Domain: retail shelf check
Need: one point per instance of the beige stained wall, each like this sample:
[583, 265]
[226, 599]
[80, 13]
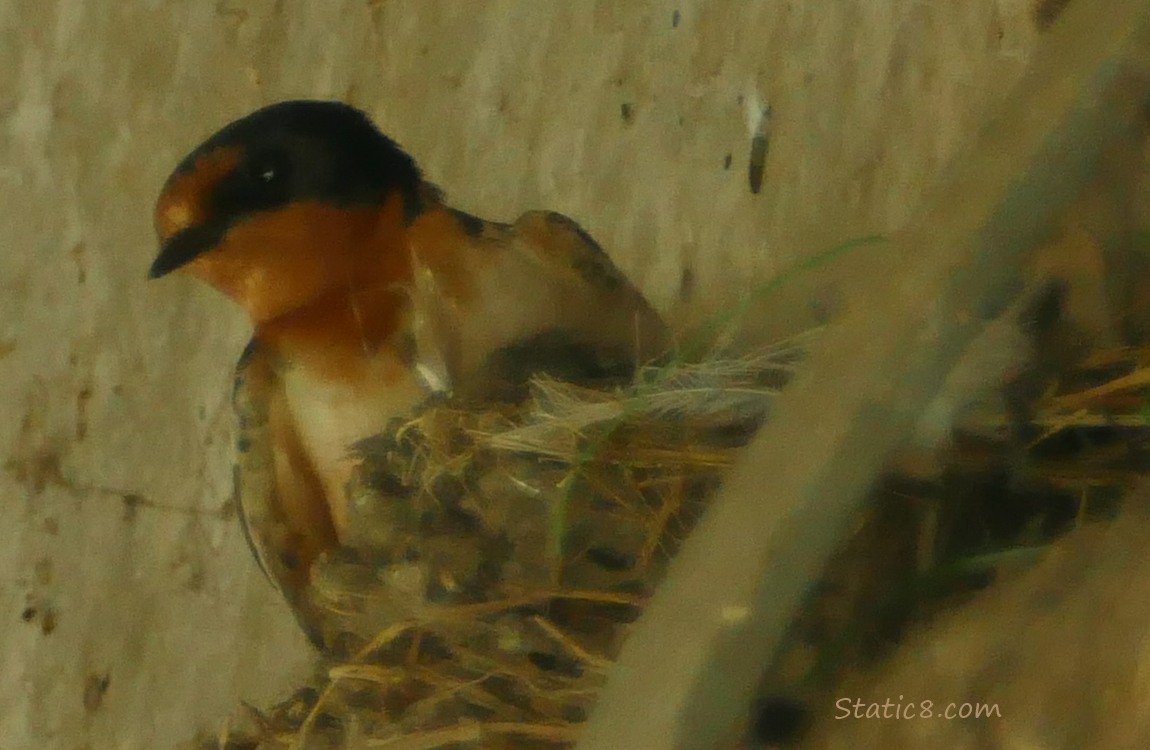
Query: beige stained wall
[120, 552]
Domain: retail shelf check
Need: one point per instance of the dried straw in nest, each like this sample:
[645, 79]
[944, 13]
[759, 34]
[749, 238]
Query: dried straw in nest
[500, 553]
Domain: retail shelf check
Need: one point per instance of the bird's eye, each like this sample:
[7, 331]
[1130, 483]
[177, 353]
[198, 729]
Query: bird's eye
[269, 169]
[263, 180]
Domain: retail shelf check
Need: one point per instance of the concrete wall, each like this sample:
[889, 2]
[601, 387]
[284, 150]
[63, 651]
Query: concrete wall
[121, 554]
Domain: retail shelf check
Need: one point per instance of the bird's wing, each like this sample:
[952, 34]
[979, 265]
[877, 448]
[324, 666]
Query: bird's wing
[499, 301]
[281, 503]
[610, 309]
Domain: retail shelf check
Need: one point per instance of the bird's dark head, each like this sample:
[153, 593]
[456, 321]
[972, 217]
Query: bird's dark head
[269, 208]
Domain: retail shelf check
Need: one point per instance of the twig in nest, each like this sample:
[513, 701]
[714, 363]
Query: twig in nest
[596, 662]
[1140, 378]
[671, 505]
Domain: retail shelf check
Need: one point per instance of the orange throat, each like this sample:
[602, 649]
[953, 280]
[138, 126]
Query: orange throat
[326, 287]
[338, 335]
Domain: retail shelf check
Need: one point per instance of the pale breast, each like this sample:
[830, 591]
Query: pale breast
[332, 416]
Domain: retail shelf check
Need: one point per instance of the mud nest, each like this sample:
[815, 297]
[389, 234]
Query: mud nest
[500, 553]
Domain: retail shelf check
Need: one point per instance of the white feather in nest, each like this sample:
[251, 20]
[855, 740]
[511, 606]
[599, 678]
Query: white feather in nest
[561, 415]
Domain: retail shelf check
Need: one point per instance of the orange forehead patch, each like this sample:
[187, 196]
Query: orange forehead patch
[181, 204]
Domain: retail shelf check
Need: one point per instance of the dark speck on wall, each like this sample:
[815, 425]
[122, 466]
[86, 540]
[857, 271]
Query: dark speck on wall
[727, 161]
[686, 284]
[675, 18]
[43, 616]
[94, 688]
[627, 112]
[48, 622]
[1046, 12]
[760, 145]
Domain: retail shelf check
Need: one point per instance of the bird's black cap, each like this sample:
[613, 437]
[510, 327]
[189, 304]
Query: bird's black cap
[293, 150]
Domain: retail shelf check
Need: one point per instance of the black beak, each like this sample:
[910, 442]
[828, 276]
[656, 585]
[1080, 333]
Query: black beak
[183, 247]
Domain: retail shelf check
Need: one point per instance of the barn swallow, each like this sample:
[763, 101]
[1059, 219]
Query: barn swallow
[367, 293]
